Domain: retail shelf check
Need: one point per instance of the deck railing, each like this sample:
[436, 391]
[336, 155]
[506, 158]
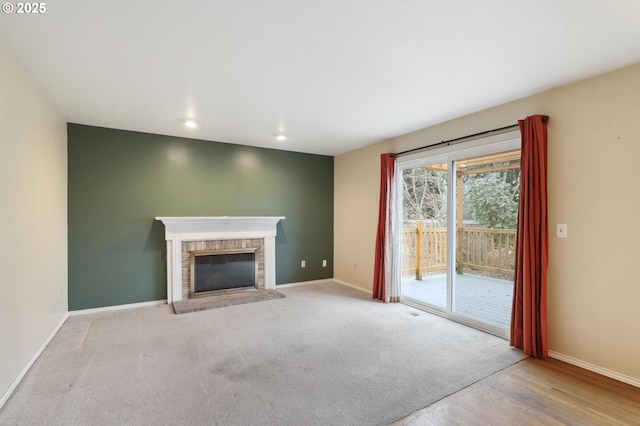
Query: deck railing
[485, 249]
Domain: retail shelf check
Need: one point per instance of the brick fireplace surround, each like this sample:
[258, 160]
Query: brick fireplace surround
[255, 245]
[195, 233]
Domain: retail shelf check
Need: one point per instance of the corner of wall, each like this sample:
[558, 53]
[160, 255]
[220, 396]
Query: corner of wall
[33, 172]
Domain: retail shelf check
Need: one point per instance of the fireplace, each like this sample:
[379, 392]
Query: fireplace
[191, 250]
[220, 270]
[193, 237]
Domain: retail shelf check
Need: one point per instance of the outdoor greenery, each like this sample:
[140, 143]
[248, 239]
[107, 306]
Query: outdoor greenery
[425, 195]
[490, 199]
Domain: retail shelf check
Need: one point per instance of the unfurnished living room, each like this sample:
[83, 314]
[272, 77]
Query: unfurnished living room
[320, 213]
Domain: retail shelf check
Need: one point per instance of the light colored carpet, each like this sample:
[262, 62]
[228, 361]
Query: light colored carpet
[324, 355]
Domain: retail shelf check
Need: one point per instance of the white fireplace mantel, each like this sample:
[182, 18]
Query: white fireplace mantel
[179, 229]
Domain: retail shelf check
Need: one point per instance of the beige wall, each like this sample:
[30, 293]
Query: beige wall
[33, 250]
[594, 158]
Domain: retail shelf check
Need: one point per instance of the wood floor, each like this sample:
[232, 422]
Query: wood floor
[536, 392]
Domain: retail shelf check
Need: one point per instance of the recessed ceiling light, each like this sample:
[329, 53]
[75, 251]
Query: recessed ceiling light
[281, 137]
[190, 123]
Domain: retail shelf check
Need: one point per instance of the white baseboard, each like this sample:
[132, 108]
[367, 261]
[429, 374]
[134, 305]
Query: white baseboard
[33, 359]
[594, 368]
[117, 307]
[352, 286]
[324, 281]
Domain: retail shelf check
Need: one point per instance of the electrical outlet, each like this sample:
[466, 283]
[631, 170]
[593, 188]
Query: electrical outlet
[355, 267]
[303, 264]
[324, 263]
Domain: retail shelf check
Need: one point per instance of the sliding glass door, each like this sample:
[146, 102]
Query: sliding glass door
[459, 213]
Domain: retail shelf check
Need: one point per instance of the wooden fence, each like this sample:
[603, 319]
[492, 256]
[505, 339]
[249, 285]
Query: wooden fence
[485, 249]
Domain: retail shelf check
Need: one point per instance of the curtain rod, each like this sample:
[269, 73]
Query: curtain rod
[545, 118]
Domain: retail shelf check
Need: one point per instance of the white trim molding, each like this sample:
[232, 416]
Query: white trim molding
[117, 307]
[596, 369]
[33, 359]
[179, 229]
[353, 286]
[296, 284]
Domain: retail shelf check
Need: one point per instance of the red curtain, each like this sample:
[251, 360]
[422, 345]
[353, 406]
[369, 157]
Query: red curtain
[382, 272]
[529, 313]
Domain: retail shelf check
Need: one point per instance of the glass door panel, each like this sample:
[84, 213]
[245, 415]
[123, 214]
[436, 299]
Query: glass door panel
[424, 234]
[487, 195]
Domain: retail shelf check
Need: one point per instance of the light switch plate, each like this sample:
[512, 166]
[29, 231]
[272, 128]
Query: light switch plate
[561, 230]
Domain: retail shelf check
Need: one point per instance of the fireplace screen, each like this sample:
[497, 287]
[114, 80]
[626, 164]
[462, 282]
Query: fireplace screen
[222, 270]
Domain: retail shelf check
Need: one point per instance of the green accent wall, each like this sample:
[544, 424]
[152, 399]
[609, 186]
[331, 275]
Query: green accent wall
[120, 180]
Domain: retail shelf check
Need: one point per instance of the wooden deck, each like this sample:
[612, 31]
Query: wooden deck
[480, 298]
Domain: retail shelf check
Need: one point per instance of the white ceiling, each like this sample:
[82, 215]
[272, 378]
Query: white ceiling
[334, 75]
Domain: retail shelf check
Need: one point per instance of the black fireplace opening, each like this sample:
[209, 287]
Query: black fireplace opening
[224, 271]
